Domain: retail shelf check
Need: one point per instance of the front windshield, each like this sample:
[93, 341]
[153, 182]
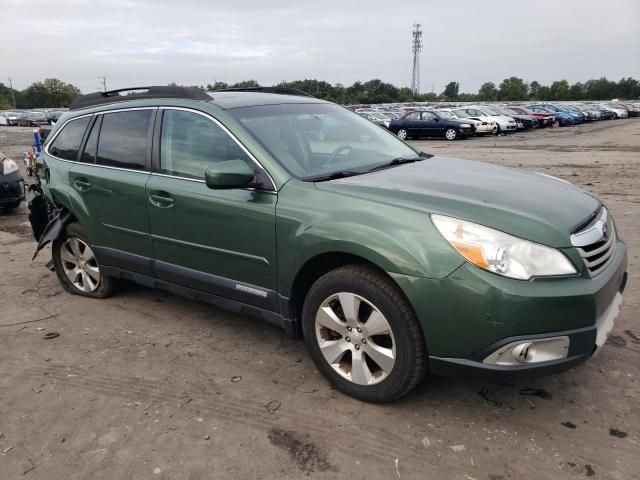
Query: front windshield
[316, 139]
[489, 111]
[462, 114]
[444, 114]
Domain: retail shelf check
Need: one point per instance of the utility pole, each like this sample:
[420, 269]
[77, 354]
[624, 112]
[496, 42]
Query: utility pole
[13, 97]
[104, 83]
[416, 46]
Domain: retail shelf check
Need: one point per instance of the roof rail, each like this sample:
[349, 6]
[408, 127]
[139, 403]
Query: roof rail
[276, 90]
[111, 96]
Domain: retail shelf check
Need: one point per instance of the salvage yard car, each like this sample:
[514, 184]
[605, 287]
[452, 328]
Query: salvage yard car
[479, 127]
[391, 263]
[11, 184]
[487, 114]
[430, 124]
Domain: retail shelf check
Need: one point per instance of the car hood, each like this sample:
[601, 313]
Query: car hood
[525, 204]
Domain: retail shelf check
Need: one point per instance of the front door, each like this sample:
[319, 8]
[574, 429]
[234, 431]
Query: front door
[431, 125]
[218, 241]
[108, 184]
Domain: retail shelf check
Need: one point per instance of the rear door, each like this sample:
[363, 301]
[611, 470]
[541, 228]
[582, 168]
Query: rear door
[218, 241]
[108, 186]
[413, 124]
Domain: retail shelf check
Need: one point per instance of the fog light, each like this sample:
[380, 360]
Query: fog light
[530, 351]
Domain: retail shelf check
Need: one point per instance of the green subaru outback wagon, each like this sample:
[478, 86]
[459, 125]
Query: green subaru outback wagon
[389, 262]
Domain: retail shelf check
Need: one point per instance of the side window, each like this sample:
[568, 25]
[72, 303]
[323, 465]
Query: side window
[428, 116]
[414, 116]
[90, 150]
[190, 142]
[123, 139]
[67, 143]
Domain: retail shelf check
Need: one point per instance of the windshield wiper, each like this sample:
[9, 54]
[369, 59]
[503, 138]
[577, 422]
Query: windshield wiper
[396, 161]
[333, 176]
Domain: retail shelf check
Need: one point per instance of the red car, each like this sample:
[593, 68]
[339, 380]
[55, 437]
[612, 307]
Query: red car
[545, 120]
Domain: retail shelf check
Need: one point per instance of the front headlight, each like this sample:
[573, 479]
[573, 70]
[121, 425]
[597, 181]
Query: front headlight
[500, 252]
[9, 166]
[466, 125]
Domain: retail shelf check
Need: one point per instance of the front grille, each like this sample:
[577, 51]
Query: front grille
[596, 242]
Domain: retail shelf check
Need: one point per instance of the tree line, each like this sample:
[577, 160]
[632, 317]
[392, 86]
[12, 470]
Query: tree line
[54, 93]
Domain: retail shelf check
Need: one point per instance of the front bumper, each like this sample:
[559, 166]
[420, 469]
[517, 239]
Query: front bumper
[472, 313]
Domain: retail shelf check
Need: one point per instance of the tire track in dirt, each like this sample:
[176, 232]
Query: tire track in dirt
[376, 442]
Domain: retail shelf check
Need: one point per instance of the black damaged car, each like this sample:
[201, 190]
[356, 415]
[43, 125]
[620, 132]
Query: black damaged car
[429, 124]
[11, 184]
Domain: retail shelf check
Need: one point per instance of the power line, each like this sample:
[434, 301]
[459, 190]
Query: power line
[416, 46]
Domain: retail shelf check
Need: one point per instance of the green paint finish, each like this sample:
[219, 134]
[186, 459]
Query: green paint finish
[265, 238]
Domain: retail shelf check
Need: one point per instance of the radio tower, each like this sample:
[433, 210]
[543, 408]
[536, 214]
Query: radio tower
[417, 48]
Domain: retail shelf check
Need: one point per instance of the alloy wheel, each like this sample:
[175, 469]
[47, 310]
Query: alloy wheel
[402, 134]
[79, 264]
[355, 338]
[451, 134]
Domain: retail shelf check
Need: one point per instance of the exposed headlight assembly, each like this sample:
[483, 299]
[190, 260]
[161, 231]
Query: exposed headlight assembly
[501, 253]
[9, 166]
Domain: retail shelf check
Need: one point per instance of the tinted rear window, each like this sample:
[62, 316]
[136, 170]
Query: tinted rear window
[123, 139]
[67, 143]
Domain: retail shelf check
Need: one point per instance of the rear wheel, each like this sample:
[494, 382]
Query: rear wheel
[77, 267]
[402, 134]
[362, 334]
[451, 134]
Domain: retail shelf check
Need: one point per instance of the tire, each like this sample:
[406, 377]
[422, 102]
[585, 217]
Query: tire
[391, 362]
[74, 258]
[403, 134]
[451, 134]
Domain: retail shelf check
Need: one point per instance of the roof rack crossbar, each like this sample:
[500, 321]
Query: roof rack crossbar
[276, 90]
[111, 96]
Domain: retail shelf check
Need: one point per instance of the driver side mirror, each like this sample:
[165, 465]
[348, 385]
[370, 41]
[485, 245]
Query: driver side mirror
[229, 174]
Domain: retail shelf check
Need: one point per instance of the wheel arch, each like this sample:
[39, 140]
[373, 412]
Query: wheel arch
[321, 264]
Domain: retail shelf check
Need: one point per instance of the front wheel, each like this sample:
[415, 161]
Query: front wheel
[362, 334]
[77, 267]
[451, 134]
[402, 134]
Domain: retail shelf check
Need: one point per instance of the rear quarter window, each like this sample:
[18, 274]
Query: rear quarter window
[66, 145]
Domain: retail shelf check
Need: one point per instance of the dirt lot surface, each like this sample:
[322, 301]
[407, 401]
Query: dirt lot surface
[148, 385]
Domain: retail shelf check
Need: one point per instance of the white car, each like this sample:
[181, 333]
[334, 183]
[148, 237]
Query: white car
[9, 118]
[620, 112]
[482, 126]
[486, 114]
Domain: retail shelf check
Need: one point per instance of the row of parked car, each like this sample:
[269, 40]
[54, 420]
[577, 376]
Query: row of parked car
[36, 118]
[456, 121]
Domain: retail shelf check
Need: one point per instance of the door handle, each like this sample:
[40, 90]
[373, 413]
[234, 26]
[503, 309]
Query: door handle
[161, 200]
[81, 184]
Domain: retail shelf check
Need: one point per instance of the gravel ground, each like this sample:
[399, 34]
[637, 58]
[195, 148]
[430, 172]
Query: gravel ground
[149, 385]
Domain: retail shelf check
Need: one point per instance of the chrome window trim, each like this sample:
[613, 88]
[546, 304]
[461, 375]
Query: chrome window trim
[147, 172]
[115, 110]
[228, 132]
[197, 180]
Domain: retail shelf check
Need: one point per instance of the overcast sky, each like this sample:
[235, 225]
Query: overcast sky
[193, 42]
